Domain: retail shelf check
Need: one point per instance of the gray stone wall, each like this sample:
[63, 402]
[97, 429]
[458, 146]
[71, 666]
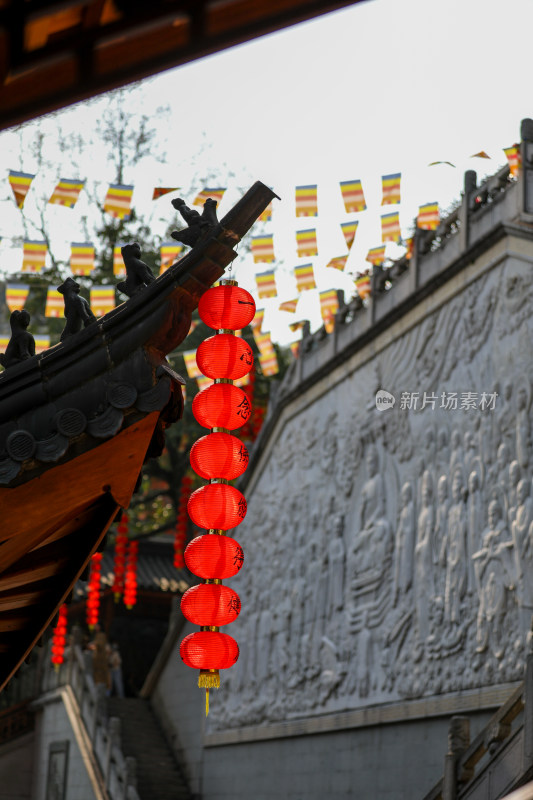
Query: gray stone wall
[16, 768]
[388, 544]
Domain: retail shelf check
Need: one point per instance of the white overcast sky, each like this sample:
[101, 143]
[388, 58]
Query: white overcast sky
[380, 87]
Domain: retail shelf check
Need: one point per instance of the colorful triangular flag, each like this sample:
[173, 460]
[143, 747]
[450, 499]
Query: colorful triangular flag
[390, 227]
[349, 229]
[376, 255]
[263, 249]
[305, 277]
[55, 303]
[67, 192]
[102, 300]
[352, 194]
[214, 194]
[159, 191]
[266, 284]
[428, 217]
[20, 183]
[81, 258]
[306, 201]
[34, 255]
[16, 294]
[117, 201]
[306, 243]
[390, 185]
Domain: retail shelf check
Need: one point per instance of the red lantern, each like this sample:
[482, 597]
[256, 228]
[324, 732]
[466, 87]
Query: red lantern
[130, 582]
[225, 356]
[93, 592]
[207, 650]
[221, 405]
[59, 637]
[217, 505]
[219, 455]
[214, 556]
[229, 307]
[210, 604]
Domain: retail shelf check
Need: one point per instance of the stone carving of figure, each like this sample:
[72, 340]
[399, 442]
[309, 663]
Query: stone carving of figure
[495, 577]
[523, 425]
[440, 535]
[513, 480]
[456, 566]
[502, 466]
[523, 553]
[372, 543]
[297, 585]
[337, 558]
[362, 666]
[474, 524]
[443, 450]
[457, 455]
[424, 557]
[470, 453]
[404, 546]
[505, 419]
[280, 616]
[262, 654]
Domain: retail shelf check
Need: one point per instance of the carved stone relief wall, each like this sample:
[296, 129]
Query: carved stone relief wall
[389, 552]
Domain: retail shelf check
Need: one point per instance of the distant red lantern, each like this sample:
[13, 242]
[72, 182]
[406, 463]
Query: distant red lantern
[209, 650]
[225, 356]
[130, 581]
[227, 307]
[210, 604]
[221, 405]
[219, 455]
[218, 506]
[93, 590]
[59, 637]
[212, 556]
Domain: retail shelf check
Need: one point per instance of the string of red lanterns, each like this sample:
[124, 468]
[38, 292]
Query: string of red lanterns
[218, 506]
[93, 590]
[130, 580]
[59, 638]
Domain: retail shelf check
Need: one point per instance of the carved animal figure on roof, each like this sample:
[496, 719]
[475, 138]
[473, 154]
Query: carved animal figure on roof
[198, 223]
[77, 309]
[22, 344]
[138, 274]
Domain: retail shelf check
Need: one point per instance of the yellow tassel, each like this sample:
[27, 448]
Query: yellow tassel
[206, 702]
[209, 679]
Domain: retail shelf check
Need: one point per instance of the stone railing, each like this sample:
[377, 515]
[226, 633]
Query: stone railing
[499, 759]
[98, 736]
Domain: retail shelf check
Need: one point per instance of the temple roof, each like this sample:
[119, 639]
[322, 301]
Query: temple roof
[54, 54]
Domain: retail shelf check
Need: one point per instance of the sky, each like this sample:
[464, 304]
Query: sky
[380, 87]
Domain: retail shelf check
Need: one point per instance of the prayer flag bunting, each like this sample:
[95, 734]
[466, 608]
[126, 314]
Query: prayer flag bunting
[339, 262]
[214, 194]
[295, 348]
[102, 300]
[297, 326]
[390, 227]
[434, 163]
[514, 158]
[169, 254]
[349, 229]
[16, 294]
[4, 341]
[118, 262]
[42, 343]
[55, 303]
[305, 278]
[159, 191]
[362, 284]
[263, 249]
[306, 201]
[391, 189]
[289, 305]
[257, 321]
[329, 305]
[481, 154]
[67, 192]
[34, 255]
[352, 194]
[266, 215]
[118, 200]
[376, 255]
[20, 183]
[428, 217]
[306, 243]
[267, 355]
[81, 258]
[266, 284]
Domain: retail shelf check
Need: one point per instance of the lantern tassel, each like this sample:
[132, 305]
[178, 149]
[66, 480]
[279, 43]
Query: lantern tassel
[206, 702]
[209, 679]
